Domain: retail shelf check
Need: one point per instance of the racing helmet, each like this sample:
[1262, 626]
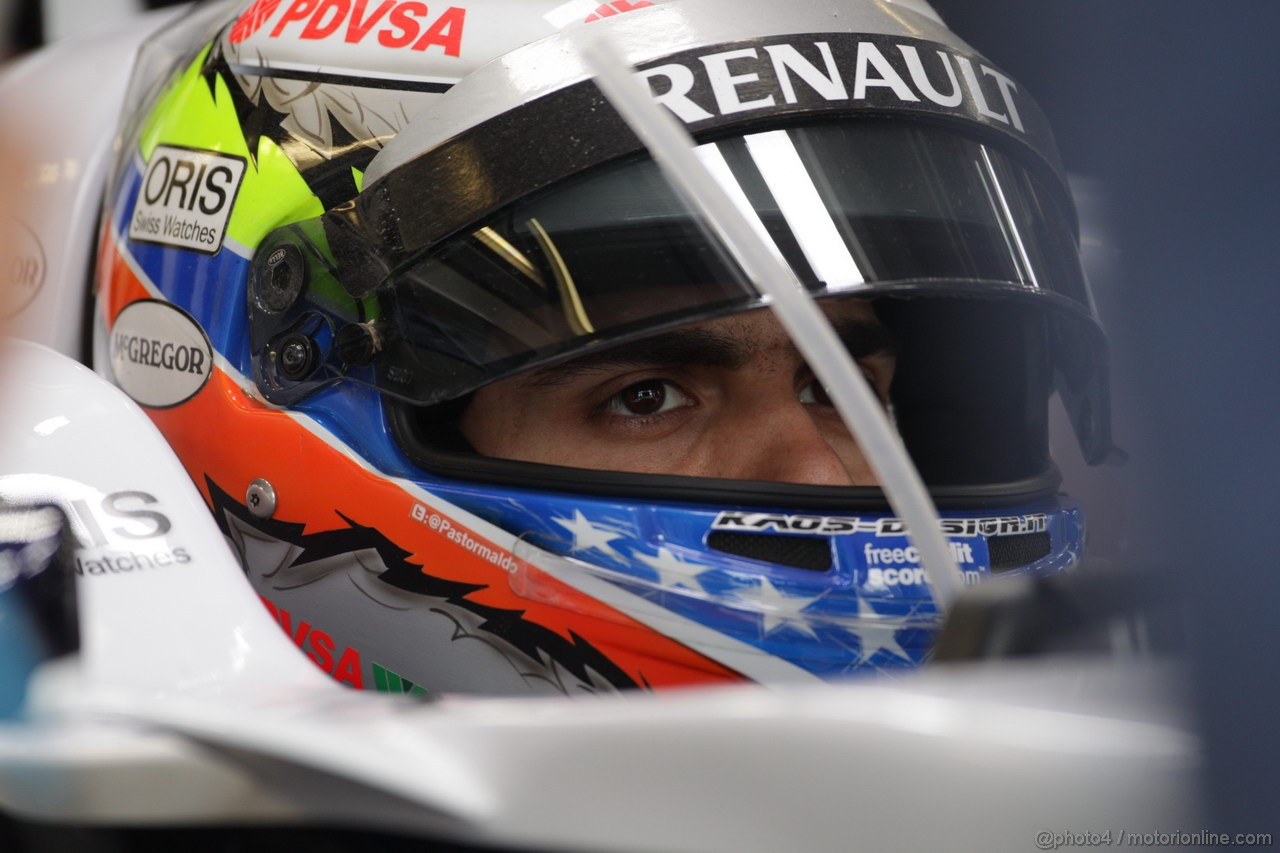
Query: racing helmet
[334, 224]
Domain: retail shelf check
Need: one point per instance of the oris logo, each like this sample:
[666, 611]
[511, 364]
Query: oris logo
[391, 23]
[186, 199]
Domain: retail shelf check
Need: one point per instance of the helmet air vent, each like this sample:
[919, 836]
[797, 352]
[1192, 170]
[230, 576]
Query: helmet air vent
[1018, 550]
[799, 552]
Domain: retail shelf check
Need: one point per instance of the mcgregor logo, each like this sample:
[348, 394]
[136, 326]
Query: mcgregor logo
[252, 19]
[160, 355]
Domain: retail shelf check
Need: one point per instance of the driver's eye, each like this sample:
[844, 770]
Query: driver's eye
[650, 397]
[814, 394]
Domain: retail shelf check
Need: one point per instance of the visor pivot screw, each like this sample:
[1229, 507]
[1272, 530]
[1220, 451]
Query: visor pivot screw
[261, 498]
[278, 278]
[358, 343]
[297, 357]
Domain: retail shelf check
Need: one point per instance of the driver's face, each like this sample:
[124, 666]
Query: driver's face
[729, 398]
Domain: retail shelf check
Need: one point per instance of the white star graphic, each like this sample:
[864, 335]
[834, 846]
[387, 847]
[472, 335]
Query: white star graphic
[877, 633]
[672, 571]
[587, 536]
[780, 608]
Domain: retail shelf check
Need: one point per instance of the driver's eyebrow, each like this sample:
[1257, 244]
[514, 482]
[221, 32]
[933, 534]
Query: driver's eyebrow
[700, 347]
[863, 338]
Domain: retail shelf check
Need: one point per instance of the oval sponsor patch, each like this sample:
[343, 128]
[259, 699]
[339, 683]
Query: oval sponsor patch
[22, 267]
[160, 355]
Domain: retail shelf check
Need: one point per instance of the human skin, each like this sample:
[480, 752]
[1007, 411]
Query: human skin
[729, 398]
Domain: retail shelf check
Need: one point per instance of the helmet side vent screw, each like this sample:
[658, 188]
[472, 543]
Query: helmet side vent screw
[261, 498]
[296, 356]
[279, 277]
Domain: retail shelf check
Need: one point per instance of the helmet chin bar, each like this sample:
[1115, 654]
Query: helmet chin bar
[539, 574]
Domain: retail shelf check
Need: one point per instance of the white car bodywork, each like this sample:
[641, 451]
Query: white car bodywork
[209, 714]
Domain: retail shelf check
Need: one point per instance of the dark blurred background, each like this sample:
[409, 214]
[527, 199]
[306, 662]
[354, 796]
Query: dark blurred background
[1172, 107]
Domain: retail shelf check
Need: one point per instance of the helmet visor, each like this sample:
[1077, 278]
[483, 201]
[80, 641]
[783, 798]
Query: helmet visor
[617, 254]
[864, 208]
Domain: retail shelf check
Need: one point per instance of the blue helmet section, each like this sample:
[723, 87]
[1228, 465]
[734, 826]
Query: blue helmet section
[832, 594]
